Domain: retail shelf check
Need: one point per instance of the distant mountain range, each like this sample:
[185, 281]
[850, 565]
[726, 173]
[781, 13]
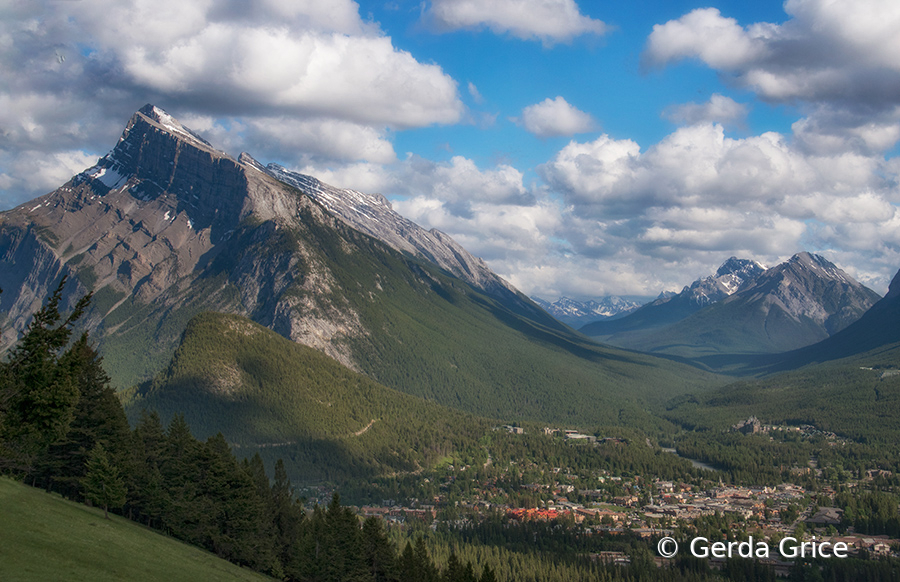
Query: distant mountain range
[166, 227]
[745, 309]
[578, 313]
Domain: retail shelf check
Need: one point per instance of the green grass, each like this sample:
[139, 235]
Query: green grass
[44, 537]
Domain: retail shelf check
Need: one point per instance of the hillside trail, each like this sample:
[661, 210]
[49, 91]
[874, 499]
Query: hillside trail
[364, 429]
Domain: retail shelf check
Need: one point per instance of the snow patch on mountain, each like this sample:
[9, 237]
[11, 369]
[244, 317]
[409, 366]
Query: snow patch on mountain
[574, 312]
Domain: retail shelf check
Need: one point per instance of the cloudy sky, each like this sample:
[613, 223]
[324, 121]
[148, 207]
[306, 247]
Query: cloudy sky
[581, 148]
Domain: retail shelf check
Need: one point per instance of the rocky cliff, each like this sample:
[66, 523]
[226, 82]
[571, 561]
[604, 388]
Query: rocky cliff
[160, 215]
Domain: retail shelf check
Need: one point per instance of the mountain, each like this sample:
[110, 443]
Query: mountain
[734, 275]
[165, 227]
[848, 383]
[835, 385]
[578, 313]
[797, 303]
[373, 215]
[269, 395]
[875, 333]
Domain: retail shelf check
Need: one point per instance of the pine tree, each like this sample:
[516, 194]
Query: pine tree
[288, 517]
[487, 575]
[37, 395]
[149, 495]
[102, 483]
[342, 545]
[379, 553]
[415, 565]
[187, 515]
[98, 417]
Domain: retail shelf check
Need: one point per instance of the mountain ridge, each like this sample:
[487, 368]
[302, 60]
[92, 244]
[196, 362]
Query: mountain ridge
[796, 303]
[878, 329]
[733, 275]
[179, 228]
[374, 215]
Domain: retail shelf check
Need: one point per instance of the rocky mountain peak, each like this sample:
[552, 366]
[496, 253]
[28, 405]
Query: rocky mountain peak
[171, 125]
[734, 274]
[808, 286]
[373, 215]
[734, 266]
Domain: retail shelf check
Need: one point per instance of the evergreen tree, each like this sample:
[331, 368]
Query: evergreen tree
[487, 575]
[456, 572]
[415, 565]
[98, 417]
[102, 483]
[37, 395]
[343, 545]
[187, 516]
[380, 556]
[288, 518]
[149, 495]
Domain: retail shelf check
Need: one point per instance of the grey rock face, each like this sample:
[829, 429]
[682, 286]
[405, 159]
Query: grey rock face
[154, 222]
[373, 215]
[808, 286]
[734, 275]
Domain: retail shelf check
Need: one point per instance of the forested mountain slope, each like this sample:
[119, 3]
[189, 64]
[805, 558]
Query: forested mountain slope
[270, 395]
[165, 227]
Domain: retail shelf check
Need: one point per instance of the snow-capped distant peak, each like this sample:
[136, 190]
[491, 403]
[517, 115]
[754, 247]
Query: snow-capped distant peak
[565, 308]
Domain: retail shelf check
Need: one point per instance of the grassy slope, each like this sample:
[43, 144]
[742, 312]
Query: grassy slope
[266, 393]
[44, 537]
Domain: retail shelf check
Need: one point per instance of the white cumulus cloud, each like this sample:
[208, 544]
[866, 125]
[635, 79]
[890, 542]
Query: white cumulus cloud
[719, 108]
[555, 117]
[74, 72]
[548, 20]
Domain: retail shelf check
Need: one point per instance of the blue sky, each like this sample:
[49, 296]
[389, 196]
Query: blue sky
[581, 148]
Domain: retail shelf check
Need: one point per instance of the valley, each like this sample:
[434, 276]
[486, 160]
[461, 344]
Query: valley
[248, 320]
